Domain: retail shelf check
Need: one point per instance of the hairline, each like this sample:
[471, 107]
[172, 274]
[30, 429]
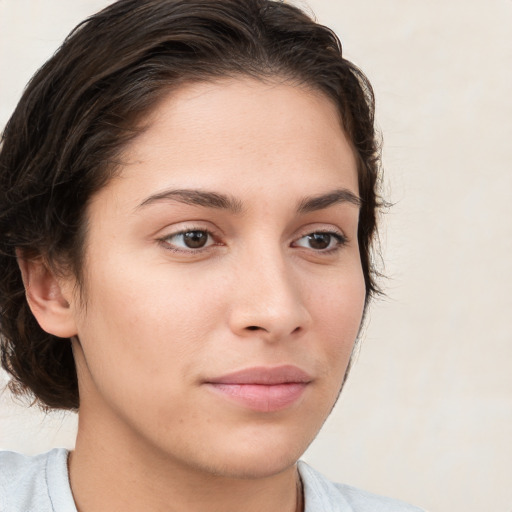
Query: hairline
[113, 170]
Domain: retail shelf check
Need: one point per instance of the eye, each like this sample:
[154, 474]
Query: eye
[189, 239]
[321, 241]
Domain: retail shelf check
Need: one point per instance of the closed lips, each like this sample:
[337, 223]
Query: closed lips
[263, 389]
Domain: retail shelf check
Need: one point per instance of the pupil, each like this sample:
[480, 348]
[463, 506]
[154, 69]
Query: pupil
[319, 240]
[195, 239]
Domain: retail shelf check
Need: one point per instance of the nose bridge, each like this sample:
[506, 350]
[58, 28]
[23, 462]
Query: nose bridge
[269, 299]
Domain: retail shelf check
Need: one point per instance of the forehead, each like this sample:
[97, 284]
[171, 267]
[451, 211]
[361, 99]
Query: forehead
[244, 132]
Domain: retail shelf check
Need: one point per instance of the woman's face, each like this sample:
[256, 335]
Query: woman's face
[223, 281]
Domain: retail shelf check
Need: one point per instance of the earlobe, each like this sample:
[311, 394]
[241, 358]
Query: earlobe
[47, 297]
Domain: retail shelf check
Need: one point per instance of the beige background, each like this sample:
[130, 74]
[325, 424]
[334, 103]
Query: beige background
[427, 413]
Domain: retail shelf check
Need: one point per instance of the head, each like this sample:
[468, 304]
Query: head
[122, 79]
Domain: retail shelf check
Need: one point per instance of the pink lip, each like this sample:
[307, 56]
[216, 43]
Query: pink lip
[264, 389]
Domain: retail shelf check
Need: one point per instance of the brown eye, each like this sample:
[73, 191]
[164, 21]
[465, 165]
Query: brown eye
[319, 240]
[195, 239]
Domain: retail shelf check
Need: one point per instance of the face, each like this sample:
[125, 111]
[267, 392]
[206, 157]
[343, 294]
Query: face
[223, 282]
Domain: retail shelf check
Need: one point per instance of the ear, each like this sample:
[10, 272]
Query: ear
[48, 296]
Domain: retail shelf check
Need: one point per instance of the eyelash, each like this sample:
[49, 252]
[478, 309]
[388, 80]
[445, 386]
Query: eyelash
[341, 240]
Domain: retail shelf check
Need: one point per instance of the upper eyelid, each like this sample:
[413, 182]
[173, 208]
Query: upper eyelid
[216, 233]
[185, 227]
[326, 229]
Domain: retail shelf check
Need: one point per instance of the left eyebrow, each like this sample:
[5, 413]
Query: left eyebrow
[322, 201]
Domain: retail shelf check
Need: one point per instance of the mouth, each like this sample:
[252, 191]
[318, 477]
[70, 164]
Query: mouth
[262, 389]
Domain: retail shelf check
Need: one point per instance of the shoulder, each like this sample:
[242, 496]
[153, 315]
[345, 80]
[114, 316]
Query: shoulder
[35, 483]
[323, 495]
[21, 481]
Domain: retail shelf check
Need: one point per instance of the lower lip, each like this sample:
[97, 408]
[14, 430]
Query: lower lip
[262, 397]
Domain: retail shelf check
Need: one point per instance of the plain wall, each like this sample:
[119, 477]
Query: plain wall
[426, 415]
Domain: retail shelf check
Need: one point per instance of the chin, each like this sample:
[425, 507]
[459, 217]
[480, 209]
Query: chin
[260, 457]
[253, 467]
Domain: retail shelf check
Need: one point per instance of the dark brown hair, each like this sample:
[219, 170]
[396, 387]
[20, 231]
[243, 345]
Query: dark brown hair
[83, 106]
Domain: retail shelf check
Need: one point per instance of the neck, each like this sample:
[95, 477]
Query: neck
[109, 471]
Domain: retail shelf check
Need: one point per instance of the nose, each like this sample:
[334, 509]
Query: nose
[268, 301]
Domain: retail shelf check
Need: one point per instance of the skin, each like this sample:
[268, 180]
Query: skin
[161, 319]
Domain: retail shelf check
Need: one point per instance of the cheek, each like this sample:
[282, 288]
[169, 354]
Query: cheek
[144, 320]
[338, 315]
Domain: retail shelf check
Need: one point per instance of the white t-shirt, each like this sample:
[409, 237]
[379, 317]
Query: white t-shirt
[41, 484]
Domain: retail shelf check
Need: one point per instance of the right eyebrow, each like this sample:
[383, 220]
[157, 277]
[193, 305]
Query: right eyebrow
[196, 198]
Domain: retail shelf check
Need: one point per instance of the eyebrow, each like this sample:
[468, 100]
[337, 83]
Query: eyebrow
[197, 198]
[226, 202]
[322, 201]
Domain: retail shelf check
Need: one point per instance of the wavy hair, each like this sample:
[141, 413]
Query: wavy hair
[83, 106]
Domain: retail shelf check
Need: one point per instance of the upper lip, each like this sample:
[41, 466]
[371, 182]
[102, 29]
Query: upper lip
[264, 375]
